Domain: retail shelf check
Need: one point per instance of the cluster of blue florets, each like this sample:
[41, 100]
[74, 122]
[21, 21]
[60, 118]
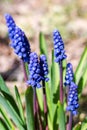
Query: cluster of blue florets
[34, 69]
[19, 41]
[38, 70]
[44, 68]
[21, 45]
[73, 104]
[38, 67]
[69, 74]
[59, 51]
[11, 25]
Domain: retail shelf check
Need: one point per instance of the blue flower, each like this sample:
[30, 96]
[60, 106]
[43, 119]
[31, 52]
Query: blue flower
[44, 68]
[21, 45]
[69, 74]
[11, 25]
[72, 104]
[34, 69]
[59, 51]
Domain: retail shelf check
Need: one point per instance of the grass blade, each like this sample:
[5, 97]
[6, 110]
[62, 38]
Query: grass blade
[14, 116]
[42, 44]
[6, 119]
[29, 109]
[61, 116]
[81, 66]
[19, 102]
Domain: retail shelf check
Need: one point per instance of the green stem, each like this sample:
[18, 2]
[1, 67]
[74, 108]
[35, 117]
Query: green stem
[24, 71]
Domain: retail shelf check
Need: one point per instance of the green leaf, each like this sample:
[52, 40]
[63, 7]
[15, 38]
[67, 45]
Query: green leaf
[40, 98]
[14, 116]
[19, 102]
[29, 108]
[54, 80]
[81, 66]
[3, 86]
[6, 119]
[43, 44]
[27, 70]
[61, 116]
[82, 83]
[3, 125]
[85, 78]
[77, 126]
[7, 94]
[84, 126]
[50, 105]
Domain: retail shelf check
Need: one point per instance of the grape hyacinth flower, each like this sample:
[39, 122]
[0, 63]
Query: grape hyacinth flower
[34, 68]
[60, 55]
[72, 104]
[21, 45]
[59, 51]
[11, 25]
[69, 74]
[44, 68]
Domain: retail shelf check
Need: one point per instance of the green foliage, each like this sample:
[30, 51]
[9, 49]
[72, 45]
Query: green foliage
[19, 102]
[13, 113]
[81, 72]
[43, 44]
[61, 115]
[77, 127]
[29, 109]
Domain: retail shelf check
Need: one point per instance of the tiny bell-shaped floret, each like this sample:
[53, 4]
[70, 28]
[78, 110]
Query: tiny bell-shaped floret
[11, 25]
[59, 51]
[73, 104]
[34, 69]
[21, 45]
[44, 68]
[69, 74]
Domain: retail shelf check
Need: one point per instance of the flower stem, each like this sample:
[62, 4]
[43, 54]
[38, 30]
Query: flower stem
[61, 81]
[35, 107]
[24, 71]
[69, 126]
[45, 104]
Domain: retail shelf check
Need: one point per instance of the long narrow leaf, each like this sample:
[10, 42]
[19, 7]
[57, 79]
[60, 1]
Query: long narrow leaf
[3, 125]
[13, 115]
[3, 86]
[29, 109]
[81, 66]
[61, 116]
[50, 105]
[7, 94]
[19, 102]
[42, 44]
[54, 79]
[6, 119]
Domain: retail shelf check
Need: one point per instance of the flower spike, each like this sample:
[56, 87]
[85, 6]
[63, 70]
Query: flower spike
[73, 99]
[11, 25]
[69, 74]
[59, 51]
[21, 45]
[34, 68]
[44, 68]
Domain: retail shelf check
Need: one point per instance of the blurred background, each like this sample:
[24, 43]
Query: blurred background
[33, 16]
